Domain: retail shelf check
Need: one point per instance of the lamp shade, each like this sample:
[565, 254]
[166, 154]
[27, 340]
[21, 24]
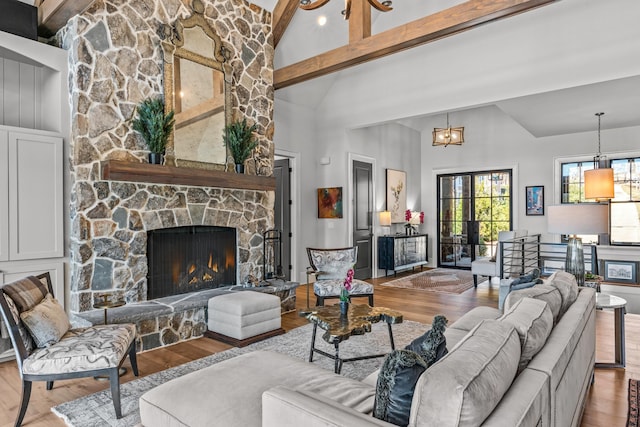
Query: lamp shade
[598, 184]
[385, 218]
[579, 218]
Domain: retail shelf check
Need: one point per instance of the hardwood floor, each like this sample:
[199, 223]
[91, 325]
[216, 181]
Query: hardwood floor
[607, 399]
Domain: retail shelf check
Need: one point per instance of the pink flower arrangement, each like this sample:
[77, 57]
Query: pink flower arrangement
[346, 286]
[407, 215]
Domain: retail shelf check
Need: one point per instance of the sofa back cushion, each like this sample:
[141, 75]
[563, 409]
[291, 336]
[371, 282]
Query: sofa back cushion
[464, 387]
[533, 321]
[547, 293]
[567, 286]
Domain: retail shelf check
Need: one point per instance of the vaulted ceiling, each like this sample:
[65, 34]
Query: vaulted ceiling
[306, 51]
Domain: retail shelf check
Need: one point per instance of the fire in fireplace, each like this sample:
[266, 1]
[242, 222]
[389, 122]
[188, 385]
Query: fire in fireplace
[187, 259]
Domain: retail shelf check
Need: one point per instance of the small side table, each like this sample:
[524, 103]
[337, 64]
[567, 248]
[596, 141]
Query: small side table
[605, 301]
[106, 305]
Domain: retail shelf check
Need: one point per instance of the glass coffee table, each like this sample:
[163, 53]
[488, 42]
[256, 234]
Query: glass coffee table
[339, 328]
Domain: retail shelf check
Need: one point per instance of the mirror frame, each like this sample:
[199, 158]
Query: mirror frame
[172, 47]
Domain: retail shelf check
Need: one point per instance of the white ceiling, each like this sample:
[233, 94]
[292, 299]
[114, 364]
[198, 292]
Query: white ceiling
[545, 114]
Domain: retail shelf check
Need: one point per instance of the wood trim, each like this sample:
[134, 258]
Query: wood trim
[450, 21]
[119, 170]
[359, 21]
[245, 342]
[54, 14]
[281, 17]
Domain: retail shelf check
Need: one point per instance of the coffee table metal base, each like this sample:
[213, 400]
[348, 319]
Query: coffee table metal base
[336, 357]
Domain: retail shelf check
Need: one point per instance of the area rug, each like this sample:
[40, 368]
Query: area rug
[96, 410]
[437, 280]
[632, 416]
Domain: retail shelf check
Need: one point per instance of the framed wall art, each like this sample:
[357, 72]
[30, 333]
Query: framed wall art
[620, 271]
[330, 202]
[396, 195]
[535, 200]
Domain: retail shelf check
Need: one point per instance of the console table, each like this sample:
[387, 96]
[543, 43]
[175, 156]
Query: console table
[401, 252]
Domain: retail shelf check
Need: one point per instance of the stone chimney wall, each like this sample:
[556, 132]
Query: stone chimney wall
[115, 58]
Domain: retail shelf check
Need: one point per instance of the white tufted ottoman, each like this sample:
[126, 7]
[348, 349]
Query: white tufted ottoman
[241, 318]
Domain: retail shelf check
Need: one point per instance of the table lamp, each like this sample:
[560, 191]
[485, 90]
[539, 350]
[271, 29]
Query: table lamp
[385, 220]
[573, 219]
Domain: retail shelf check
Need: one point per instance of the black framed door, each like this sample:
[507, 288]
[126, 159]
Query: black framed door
[282, 211]
[472, 208]
[362, 218]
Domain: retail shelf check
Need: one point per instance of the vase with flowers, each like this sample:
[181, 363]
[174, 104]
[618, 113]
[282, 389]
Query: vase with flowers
[414, 219]
[344, 293]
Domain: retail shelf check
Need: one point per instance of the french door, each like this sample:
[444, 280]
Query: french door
[472, 208]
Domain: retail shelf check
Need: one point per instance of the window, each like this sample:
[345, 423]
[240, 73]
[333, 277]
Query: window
[624, 207]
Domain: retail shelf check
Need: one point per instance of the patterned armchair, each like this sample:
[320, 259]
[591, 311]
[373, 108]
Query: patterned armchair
[330, 267]
[48, 350]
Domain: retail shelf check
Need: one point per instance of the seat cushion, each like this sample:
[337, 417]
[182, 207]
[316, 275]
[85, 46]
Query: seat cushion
[327, 288]
[97, 347]
[464, 387]
[533, 320]
[243, 303]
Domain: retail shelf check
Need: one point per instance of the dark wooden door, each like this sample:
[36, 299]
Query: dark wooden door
[282, 211]
[362, 218]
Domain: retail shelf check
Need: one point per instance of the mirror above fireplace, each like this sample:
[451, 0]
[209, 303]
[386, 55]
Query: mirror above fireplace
[197, 87]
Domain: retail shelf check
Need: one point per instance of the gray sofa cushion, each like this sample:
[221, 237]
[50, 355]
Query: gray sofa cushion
[549, 294]
[471, 318]
[466, 385]
[567, 285]
[533, 320]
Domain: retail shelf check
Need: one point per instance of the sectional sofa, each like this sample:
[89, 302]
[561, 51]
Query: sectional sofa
[531, 366]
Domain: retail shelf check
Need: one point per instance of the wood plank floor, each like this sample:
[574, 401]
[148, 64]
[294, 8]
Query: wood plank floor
[606, 405]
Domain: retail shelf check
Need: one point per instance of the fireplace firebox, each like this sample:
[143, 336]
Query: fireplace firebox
[188, 259]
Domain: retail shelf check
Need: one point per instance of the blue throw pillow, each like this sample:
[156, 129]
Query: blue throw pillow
[401, 370]
[533, 277]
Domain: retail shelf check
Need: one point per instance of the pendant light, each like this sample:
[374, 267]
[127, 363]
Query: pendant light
[448, 136]
[598, 182]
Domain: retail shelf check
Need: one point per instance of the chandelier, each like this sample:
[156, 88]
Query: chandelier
[448, 136]
[598, 182]
[385, 6]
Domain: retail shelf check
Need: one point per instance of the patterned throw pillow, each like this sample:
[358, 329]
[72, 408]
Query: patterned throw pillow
[402, 369]
[26, 293]
[47, 322]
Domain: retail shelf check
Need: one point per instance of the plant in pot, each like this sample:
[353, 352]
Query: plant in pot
[155, 126]
[238, 136]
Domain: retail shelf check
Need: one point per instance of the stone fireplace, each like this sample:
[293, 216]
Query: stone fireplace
[189, 259]
[115, 63]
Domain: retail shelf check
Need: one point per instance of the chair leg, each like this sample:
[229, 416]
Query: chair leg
[49, 385]
[475, 280]
[133, 359]
[114, 379]
[26, 394]
[371, 300]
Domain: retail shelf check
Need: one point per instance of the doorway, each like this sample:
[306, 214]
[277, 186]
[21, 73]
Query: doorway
[282, 212]
[472, 208]
[362, 218]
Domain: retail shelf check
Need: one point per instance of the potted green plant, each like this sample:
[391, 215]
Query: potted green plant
[155, 126]
[238, 136]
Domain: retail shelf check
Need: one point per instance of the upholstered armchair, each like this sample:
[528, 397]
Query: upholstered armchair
[330, 267]
[491, 266]
[46, 347]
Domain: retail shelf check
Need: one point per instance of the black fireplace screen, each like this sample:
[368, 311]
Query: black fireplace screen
[187, 259]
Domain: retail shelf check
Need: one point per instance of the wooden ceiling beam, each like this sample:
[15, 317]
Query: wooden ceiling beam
[281, 17]
[54, 14]
[450, 21]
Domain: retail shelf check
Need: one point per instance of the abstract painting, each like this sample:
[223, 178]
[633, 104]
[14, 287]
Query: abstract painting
[330, 202]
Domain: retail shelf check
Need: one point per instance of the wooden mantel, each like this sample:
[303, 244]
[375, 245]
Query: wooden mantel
[119, 170]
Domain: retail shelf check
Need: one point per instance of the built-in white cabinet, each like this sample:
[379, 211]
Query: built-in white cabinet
[31, 196]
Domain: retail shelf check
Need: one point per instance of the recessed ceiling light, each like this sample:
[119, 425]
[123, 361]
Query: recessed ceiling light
[322, 20]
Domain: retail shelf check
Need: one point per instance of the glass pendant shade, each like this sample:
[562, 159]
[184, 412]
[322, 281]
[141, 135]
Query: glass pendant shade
[598, 184]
